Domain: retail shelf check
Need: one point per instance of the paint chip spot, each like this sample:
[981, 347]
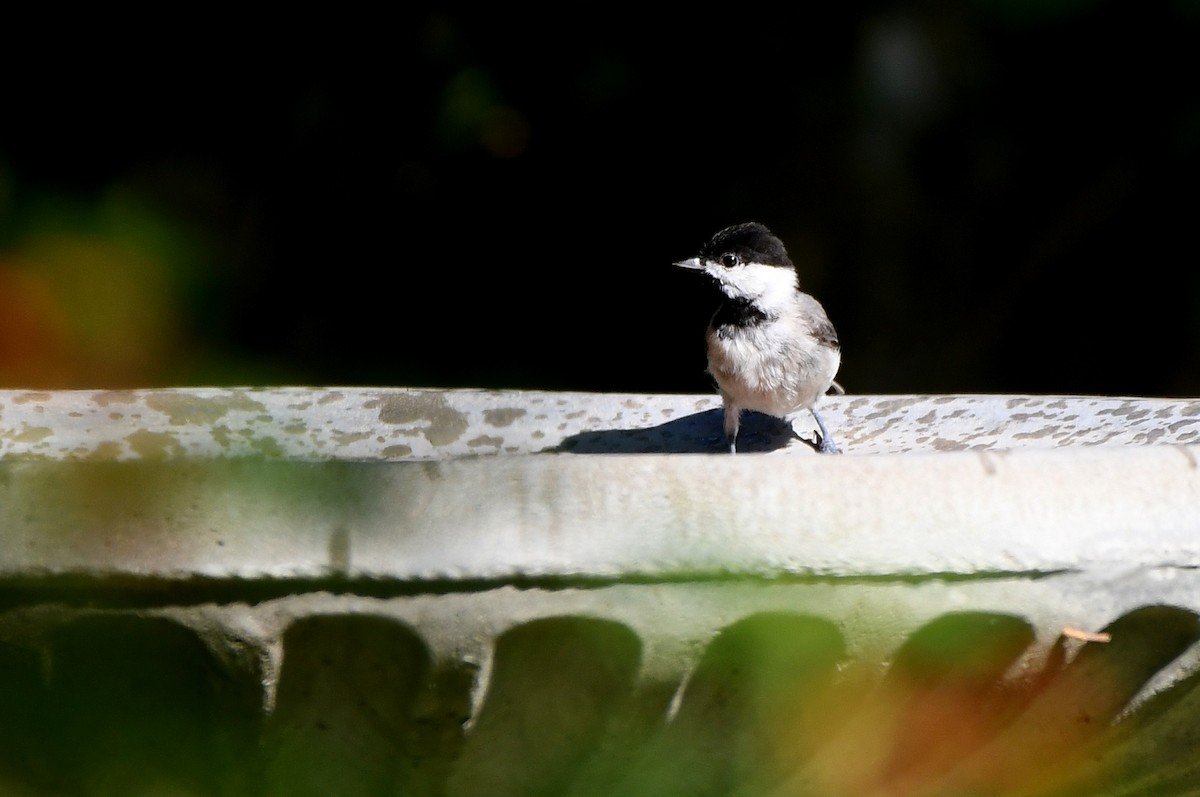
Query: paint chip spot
[185, 409]
[30, 434]
[154, 445]
[108, 451]
[502, 417]
[220, 435]
[445, 424]
[397, 452]
[107, 397]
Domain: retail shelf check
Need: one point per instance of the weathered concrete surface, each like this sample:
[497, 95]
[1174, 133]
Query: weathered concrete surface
[295, 591]
[229, 484]
[416, 424]
[564, 517]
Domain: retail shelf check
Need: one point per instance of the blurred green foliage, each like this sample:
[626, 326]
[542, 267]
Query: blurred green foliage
[120, 703]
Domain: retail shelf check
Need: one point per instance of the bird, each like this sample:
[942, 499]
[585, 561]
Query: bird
[771, 347]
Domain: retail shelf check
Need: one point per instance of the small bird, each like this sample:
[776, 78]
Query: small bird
[771, 347]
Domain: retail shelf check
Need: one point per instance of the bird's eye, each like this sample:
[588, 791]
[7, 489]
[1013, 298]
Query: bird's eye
[729, 261]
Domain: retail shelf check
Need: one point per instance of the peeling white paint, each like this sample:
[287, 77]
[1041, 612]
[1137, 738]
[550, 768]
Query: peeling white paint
[402, 424]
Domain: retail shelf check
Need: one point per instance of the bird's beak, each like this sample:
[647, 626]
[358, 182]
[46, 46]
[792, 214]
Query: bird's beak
[692, 263]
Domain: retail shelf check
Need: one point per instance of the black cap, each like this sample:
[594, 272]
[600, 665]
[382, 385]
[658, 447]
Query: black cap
[751, 242]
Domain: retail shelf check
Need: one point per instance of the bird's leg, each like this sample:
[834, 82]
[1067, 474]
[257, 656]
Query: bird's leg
[731, 424]
[827, 446]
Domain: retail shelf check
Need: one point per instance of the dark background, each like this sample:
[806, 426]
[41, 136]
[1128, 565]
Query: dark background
[987, 196]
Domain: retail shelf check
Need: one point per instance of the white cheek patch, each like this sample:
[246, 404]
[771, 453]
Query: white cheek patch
[771, 288]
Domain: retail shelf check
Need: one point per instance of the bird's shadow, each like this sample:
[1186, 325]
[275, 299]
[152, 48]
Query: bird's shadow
[698, 433]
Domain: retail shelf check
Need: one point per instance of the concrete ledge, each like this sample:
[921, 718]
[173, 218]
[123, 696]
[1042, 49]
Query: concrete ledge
[420, 424]
[559, 517]
[452, 592]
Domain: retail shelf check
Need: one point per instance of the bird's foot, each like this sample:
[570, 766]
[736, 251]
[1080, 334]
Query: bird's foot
[827, 446]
